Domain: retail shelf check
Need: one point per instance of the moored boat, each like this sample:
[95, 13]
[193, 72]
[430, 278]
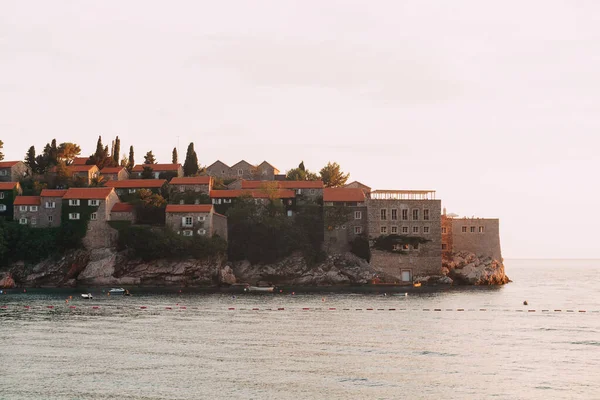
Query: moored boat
[117, 291]
[267, 289]
[87, 295]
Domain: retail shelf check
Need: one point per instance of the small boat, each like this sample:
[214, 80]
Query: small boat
[267, 289]
[87, 295]
[417, 284]
[117, 291]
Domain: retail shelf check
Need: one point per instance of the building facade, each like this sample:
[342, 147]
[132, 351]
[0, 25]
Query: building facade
[114, 173]
[196, 220]
[242, 170]
[13, 171]
[128, 188]
[27, 211]
[477, 235]
[159, 171]
[51, 206]
[345, 218]
[8, 192]
[190, 190]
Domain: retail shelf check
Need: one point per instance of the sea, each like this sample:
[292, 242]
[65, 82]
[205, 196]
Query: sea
[324, 343]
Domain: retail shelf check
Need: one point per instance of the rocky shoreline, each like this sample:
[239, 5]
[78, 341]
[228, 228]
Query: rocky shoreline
[106, 267]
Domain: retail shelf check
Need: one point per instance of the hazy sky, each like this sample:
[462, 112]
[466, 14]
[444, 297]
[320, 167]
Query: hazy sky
[493, 104]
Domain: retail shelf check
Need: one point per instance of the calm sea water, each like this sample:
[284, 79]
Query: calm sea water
[207, 351]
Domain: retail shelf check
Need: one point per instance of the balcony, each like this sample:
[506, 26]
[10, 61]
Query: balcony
[403, 195]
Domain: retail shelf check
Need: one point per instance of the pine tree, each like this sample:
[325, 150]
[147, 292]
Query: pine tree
[30, 160]
[332, 175]
[190, 166]
[174, 159]
[149, 158]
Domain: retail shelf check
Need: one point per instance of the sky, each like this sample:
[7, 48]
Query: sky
[495, 105]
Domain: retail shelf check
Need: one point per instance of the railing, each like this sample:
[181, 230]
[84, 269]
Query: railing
[403, 195]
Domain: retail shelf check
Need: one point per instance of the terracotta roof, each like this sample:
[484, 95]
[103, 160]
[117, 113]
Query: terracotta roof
[80, 160]
[76, 168]
[189, 208]
[157, 167]
[111, 170]
[283, 184]
[136, 183]
[343, 194]
[53, 192]
[257, 194]
[88, 193]
[27, 201]
[191, 180]
[8, 185]
[8, 164]
[122, 207]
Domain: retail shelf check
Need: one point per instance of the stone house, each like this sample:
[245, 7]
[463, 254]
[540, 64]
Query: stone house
[8, 192]
[84, 172]
[13, 171]
[114, 173]
[414, 218]
[358, 185]
[93, 204]
[306, 191]
[345, 217]
[128, 188]
[51, 207]
[27, 210]
[476, 235]
[266, 172]
[159, 171]
[219, 169]
[122, 212]
[190, 190]
[223, 199]
[242, 170]
[195, 219]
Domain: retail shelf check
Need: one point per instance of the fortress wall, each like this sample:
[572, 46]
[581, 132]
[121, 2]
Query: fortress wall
[482, 236]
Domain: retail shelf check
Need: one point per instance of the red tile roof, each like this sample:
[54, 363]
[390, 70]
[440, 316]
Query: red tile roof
[343, 195]
[191, 180]
[27, 201]
[189, 208]
[88, 193]
[80, 168]
[8, 185]
[283, 184]
[53, 192]
[257, 194]
[122, 207]
[111, 170]
[80, 160]
[136, 183]
[8, 164]
[157, 167]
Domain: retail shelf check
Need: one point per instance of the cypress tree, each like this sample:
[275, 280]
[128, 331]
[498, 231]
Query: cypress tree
[174, 159]
[30, 160]
[117, 150]
[131, 161]
[190, 167]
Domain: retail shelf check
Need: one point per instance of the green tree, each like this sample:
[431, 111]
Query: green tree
[149, 158]
[301, 174]
[190, 166]
[67, 152]
[174, 157]
[30, 160]
[101, 158]
[131, 160]
[332, 175]
[116, 150]
[1, 153]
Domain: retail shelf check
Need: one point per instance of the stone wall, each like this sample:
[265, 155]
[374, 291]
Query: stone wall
[447, 242]
[420, 262]
[337, 238]
[55, 212]
[480, 236]
[100, 234]
[219, 225]
[33, 217]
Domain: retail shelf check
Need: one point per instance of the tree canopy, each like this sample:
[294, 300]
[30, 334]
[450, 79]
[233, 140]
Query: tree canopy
[174, 156]
[190, 166]
[149, 158]
[1, 153]
[301, 174]
[332, 175]
[67, 152]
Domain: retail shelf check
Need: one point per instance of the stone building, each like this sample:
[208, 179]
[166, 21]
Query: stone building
[97, 204]
[159, 171]
[190, 190]
[27, 210]
[358, 185]
[223, 199]
[128, 187]
[122, 212]
[13, 171]
[8, 192]
[447, 242]
[345, 217]
[85, 173]
[51, 206]
[195, 219]
[306, 191]
[476, 235]
[114, 173]
[414, 217]
[243, 170]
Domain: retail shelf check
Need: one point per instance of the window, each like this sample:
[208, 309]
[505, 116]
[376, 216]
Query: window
[394, 214]
[74, 202]
[416, 246]
[201, 231]
[415, 229]
[181, 201]
[298, 191]
[394, 229]
[1, 195]
[74, 216]
[201, 218]
[444, 230]
[23, 208]
[93, 216]
[415, 214]
[225, 201]
[404, 247]
[383, 214]
[312, 191]
[481, 229]
[289, 213]
[404, 215]
[2, 207]
[188, 233]
[50, 204]
[444, 246]
[384, 229]
[425, 229]
[240, 172]
[188, 221]
[33, 221]
[131, 190]
[182, 188]
[472, 229]
[33, 208]
[426, 214]
[357, 214]
[358, 230]
[405, 229]
[196, 188]
[464, 229]
[50, 218]
[196, 201]
[23, 221]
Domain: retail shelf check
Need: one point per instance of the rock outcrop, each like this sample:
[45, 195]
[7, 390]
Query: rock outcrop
[468, 269]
